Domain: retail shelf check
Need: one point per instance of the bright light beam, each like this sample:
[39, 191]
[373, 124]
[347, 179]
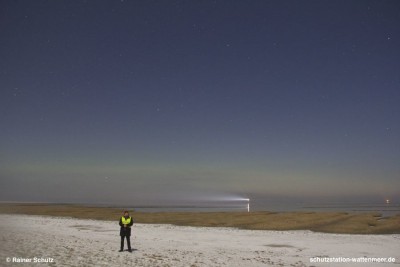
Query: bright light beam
[233, 199]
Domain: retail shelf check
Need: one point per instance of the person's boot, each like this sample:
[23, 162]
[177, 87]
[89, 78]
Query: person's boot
[122, 249]
[130, 250]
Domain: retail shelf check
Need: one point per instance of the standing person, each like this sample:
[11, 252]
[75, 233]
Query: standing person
[125, 222]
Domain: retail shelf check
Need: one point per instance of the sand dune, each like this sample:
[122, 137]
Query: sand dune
[82, 242]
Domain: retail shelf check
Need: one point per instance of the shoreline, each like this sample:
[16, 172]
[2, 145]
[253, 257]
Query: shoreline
[326, 222]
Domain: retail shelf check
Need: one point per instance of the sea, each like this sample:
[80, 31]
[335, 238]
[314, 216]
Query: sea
[384, 209]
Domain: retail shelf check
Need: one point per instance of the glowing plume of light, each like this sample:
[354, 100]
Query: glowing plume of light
[234, 199]
[221, 198]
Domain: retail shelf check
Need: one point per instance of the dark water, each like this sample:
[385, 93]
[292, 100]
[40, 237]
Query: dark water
[383, 209]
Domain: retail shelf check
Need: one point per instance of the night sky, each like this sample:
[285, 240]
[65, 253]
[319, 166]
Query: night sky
[142, 101]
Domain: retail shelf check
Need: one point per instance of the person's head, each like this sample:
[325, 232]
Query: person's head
[126, 213]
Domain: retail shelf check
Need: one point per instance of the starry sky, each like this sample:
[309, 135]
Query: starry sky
[144, 101]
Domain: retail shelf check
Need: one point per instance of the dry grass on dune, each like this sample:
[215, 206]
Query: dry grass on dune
[330, 222]
[65, 210]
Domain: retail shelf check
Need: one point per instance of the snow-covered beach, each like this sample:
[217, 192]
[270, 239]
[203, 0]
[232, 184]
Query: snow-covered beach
[81, 242]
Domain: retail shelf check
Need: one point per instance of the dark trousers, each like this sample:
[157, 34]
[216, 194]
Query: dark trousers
[128, 241]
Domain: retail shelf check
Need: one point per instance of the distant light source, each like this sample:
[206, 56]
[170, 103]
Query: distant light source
[248, 203]
[387, 201]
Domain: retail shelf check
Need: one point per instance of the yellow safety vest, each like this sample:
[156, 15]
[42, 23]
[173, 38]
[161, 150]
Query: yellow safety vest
[126, 221]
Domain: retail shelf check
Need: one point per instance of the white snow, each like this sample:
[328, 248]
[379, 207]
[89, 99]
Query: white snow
[78, 242]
